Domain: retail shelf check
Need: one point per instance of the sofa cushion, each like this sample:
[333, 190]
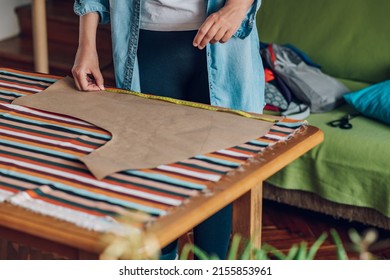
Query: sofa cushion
[348, 38]
[373, 101]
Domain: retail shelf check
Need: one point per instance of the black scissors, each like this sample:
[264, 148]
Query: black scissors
[344, 121]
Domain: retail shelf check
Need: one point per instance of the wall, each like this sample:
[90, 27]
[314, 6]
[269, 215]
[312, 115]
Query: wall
[8, 21]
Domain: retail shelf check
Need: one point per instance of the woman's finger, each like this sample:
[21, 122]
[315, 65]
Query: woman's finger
[202, 31]
[218, 37]
[210, 35]
[227, 36]
[98, 79]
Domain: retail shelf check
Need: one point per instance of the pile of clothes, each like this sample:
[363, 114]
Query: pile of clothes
[295, 85]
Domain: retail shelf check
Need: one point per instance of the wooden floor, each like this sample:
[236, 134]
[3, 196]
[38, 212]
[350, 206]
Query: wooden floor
[285, 225]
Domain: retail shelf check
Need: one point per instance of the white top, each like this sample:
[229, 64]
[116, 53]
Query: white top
[172, 15]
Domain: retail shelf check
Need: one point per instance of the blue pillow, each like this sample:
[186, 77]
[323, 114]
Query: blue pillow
[372, 101]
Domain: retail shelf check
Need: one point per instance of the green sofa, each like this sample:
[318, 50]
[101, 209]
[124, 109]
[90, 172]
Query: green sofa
[348, 175]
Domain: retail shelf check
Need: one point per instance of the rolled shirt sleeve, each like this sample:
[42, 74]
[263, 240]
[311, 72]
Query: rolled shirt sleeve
[248, 22]
[102, 7]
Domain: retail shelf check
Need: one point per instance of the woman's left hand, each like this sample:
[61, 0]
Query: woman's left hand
[222, 25]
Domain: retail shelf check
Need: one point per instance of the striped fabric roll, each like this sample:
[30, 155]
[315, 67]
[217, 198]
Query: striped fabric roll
[39, 169]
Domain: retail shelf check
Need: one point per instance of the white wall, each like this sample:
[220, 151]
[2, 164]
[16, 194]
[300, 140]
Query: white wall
[8, 21]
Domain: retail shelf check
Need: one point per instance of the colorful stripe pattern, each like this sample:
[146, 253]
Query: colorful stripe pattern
[39, 169]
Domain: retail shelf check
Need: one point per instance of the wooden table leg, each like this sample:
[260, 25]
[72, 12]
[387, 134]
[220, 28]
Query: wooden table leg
[247, 215]
[41, 57]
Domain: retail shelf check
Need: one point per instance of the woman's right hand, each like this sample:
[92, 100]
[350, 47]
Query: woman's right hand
[86, 71]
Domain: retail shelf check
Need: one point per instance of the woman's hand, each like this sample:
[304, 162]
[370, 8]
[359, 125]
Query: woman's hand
[86, 71]
[223, 24]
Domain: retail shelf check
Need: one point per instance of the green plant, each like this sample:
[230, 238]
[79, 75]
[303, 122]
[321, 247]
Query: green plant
[299, 251]
[366, 243]
[136, 245]
[360, 244]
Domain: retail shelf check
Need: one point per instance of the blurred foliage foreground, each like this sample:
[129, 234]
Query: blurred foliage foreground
[137, 246]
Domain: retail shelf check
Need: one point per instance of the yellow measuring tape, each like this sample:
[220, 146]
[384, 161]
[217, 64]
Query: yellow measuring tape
[192, 104]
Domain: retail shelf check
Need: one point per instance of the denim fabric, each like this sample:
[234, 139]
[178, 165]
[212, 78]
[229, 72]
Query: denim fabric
[235, 70]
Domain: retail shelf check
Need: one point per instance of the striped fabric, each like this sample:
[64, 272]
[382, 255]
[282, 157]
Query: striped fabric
[39, 169]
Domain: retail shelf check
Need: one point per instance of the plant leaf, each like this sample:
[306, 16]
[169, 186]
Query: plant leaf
[341, 253]
[354, 236]
[185, 252]
[275, 252]
[292, 252]
[201, 254]
[246, 253]
[233, 252]
[260, 254]
[302, 252]
[316, 245]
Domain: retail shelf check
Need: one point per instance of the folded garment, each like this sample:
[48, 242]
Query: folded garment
[297, 111]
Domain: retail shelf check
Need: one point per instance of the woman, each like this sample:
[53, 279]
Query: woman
[198, 50]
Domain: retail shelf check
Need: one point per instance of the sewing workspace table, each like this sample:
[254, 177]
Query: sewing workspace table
[62, 238]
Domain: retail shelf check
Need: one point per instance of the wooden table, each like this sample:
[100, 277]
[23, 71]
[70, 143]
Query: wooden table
[243, 189]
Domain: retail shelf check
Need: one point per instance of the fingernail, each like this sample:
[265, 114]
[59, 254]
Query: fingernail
[102, 87]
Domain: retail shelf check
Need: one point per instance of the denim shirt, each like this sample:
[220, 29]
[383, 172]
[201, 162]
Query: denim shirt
[235, 70]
